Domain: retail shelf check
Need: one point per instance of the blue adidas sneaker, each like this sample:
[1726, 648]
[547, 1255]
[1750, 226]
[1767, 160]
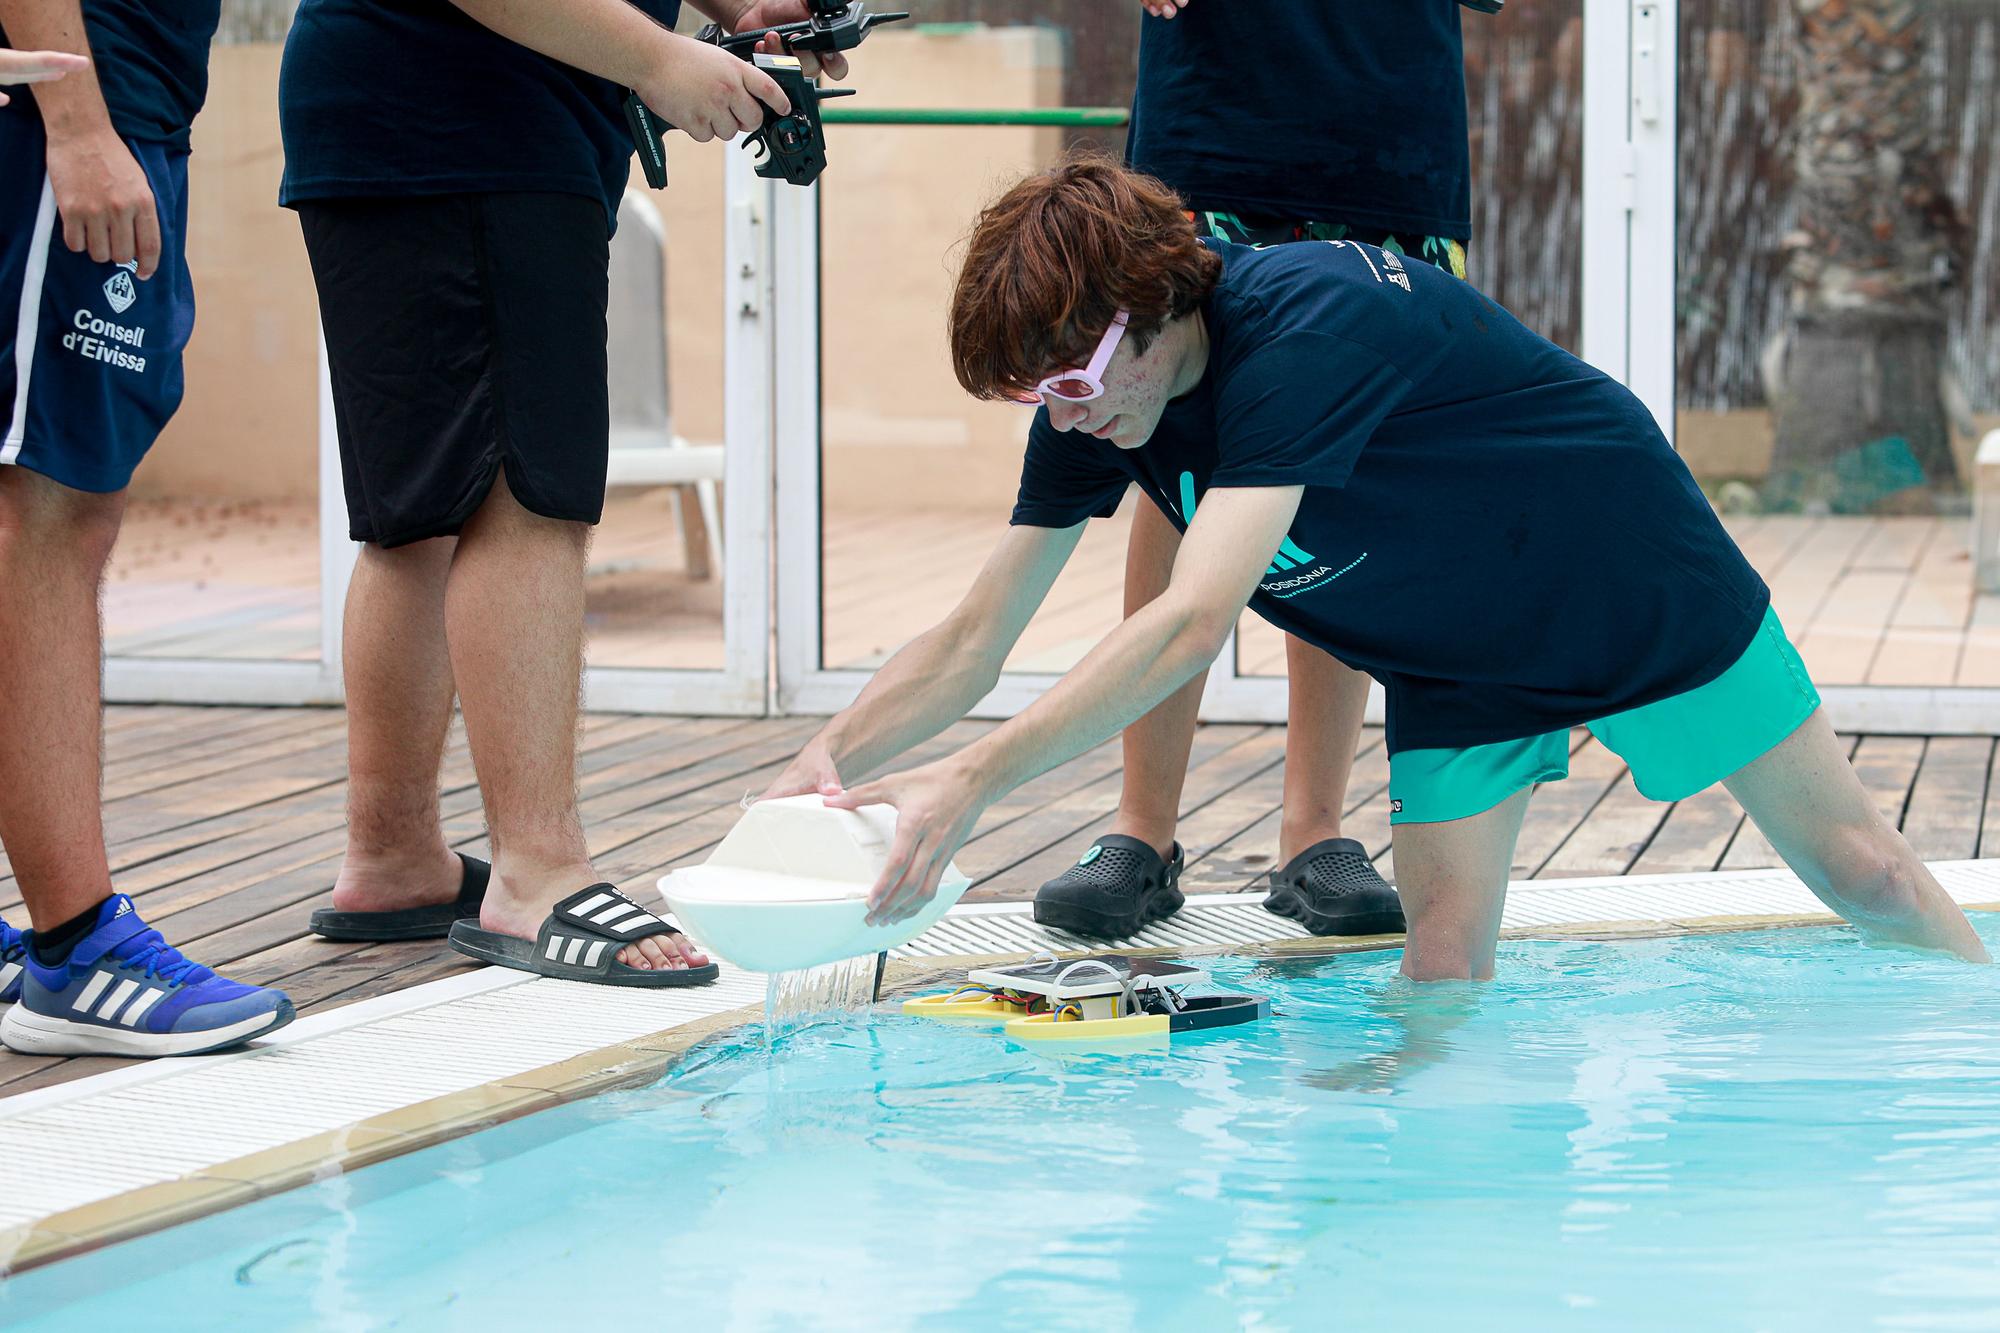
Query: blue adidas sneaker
[12, 951]
[126, 991]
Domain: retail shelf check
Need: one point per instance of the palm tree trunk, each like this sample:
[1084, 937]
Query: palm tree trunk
[1861, 423]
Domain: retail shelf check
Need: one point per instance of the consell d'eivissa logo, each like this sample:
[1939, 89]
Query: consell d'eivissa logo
[119, 288]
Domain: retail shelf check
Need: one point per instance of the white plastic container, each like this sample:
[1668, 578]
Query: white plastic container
[788, 888]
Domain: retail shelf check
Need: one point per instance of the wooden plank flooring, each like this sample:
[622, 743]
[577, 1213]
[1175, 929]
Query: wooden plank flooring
[1877, 601]
[226, 825]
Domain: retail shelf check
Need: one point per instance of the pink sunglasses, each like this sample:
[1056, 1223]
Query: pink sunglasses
[1086, 383]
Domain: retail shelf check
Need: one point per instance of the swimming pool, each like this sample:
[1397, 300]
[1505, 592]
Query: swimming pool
[1762, 1131]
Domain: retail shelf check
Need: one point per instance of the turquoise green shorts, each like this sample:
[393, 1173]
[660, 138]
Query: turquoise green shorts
[1674, 747]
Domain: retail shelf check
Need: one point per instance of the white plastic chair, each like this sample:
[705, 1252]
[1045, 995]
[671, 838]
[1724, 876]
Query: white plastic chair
[645, 451]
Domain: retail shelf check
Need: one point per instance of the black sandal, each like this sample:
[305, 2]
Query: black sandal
[410, 923]
[580, 940]
[1118, 888]
[1333, 888]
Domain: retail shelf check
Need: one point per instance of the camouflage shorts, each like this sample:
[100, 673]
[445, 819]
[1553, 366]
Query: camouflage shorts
[1260, 231]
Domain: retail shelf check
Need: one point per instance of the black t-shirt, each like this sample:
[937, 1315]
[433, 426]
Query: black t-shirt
[151, 59]
[1493, 529]
[414, 97]
[1336, 112]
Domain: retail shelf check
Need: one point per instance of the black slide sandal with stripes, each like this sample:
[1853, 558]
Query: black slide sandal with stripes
[580, 940]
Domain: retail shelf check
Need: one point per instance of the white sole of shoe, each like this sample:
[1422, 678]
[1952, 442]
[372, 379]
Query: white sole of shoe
[39, 1034]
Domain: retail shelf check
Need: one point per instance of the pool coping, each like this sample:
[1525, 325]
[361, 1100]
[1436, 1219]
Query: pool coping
[422, 1122]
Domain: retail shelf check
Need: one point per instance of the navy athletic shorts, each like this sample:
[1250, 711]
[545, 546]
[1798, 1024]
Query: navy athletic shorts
[90, 357]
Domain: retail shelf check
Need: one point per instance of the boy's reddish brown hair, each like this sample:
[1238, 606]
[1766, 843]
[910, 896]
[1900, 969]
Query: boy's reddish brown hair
[1054, 259]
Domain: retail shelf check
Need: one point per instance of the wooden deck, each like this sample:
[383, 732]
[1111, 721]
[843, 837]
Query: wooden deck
[226, 825]
[1874, 601]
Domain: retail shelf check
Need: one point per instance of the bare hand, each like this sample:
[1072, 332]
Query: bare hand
[37, 66]
[936, 807]
[1164, 9]
[769, 14]
[813, 772]
[708, 93]
[105, 200]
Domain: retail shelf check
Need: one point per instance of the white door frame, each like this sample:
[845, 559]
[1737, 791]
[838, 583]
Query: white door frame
[1628, 295]
[1631, 193]
[247, 682]
[741, 688]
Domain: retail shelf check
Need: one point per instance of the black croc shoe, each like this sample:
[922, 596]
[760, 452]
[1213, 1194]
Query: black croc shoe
[1332, 888]
[1119, 886]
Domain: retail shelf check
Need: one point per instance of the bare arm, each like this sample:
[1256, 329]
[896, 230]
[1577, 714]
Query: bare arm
[1156, 650]
[609, 38]
[71, 105]
[699, 88]
[103, 195]
[932, 680]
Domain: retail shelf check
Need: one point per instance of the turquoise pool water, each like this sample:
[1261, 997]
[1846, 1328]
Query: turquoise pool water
[1782, 1130]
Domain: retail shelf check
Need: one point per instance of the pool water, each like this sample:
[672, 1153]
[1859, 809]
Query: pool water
[1780, 1130]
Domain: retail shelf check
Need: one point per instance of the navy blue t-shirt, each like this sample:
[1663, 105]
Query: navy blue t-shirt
[414, 97]
[1331, 112]
[1494, 530]
[151, 59]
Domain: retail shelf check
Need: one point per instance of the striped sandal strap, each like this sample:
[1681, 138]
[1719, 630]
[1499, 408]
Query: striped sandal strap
[591, 921]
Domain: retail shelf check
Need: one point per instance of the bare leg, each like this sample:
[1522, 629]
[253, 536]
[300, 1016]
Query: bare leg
[1326, 700]
[54, 543]
[1453, 879]
[1805, 798]
[514, 622]
[1157, 745]
[1423, 1019]
[399, 692]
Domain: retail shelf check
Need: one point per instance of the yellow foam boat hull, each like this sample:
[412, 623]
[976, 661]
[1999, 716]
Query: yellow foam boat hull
[959, 1008]
[1043, 1027]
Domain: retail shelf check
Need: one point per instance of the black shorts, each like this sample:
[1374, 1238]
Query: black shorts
[465, 333]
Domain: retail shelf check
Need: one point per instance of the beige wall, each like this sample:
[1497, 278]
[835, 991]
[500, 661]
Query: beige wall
[247, 427]
[897, 429]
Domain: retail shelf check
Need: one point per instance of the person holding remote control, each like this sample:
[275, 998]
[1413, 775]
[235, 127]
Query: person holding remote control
[456, 166]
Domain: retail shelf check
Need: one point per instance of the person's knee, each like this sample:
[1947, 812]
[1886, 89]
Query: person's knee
[79, 527]
[1878, 873]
